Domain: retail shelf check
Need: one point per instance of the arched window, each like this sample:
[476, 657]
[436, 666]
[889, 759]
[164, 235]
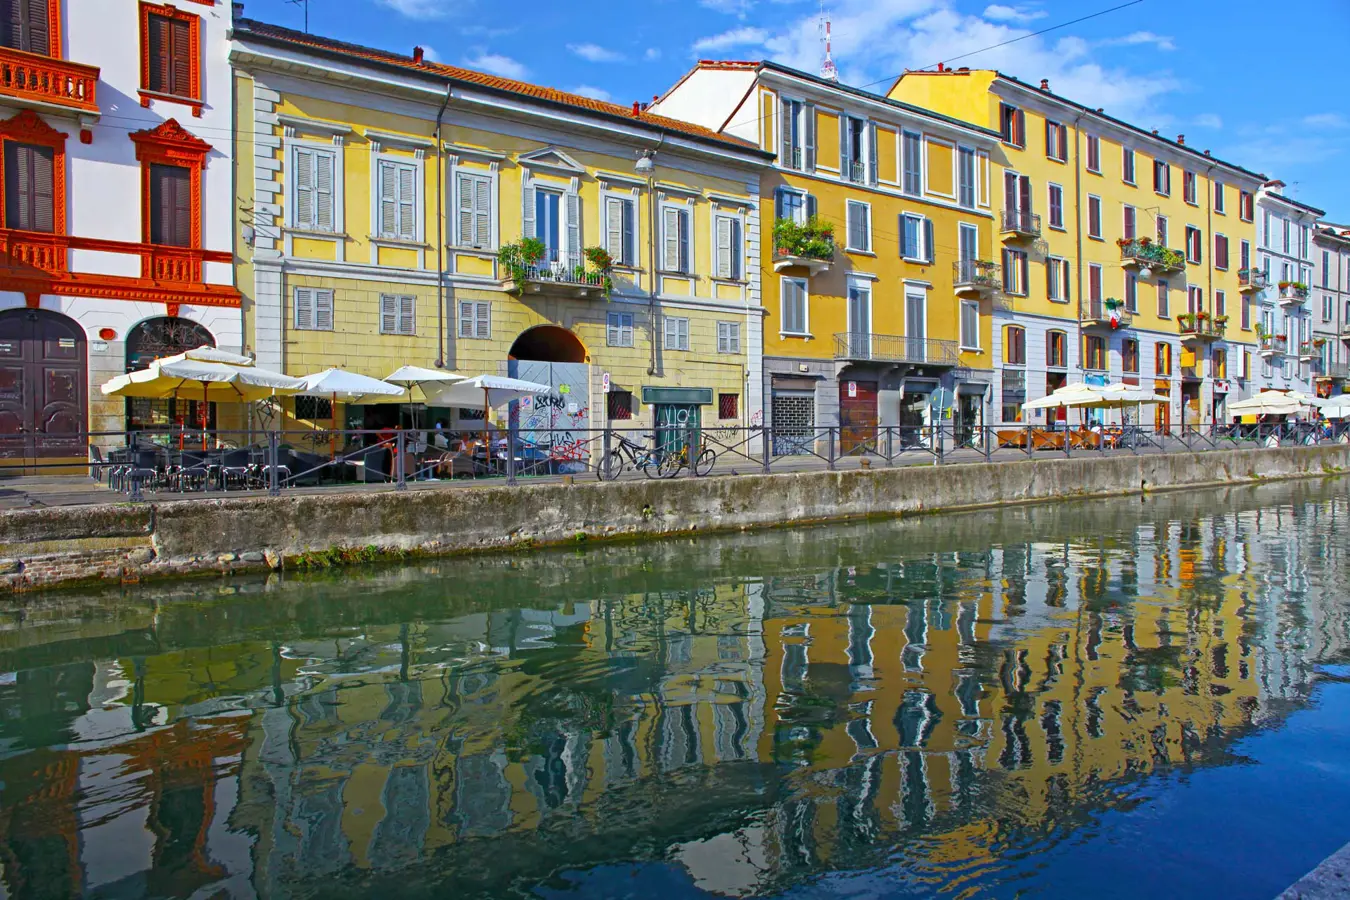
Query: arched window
[155, 339]
[1015, 345]
[1056, 349]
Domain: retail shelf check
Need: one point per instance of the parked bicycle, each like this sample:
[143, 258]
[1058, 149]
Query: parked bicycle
[671, 463]
[629, 454]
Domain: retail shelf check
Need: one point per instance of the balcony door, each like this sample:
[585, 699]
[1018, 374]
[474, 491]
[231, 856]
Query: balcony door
[860, 320]
[916, 327]
[968, 250]
[25, 25]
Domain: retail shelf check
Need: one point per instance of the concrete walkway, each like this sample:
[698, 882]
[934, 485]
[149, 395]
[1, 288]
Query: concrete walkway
[1329, 881]
[29, 491]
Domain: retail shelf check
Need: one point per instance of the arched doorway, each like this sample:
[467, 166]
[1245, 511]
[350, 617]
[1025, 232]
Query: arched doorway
[155, 339]
[548, 343]
[44, 385]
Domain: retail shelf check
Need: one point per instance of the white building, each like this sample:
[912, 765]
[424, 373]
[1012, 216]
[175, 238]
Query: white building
[1285, 351]
[1330, 300]
[115, 121]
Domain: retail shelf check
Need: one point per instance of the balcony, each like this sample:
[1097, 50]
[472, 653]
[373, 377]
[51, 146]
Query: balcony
[559, 279]
[34, 252]
[1191, 373]
[1293, 293]
[1202, 327]
[1335, 370]
[1272, 345]
[1150, 258]
[1021, 223]
[893, 348]
[798, 245]
[1309, 351]
[976, 276]
[46, 84]
[1251, 281]
[1108, 313]
[855, 172]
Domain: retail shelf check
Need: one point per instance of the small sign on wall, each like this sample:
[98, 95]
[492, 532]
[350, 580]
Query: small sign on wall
[853, 388]
[604, 382]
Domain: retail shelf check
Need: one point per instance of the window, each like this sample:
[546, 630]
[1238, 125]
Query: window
[853, 149]
[1219, 202]
[970, 324]
[169, 55]
[619, 329]
[730, 248]
[1094, 217]
[1245, 204]
[1127, 165]
[1094, 352]
[1195, 299]
[24, 26]
[1128, 226]
[677, 333]
[916, 238]
[675, 240]
[30, 187]
[728, 337]
[313, 309]
[1162, 359]
[1014, 394]
[314, 204]
[474, 321]
[1246, 254]
[793, 205]
[1056, 350]
[1162, 230]
[619, 405]
[547, 223]
[314, 408]
[1057, 279]
[797, 122]
[1015, 271]
[859, 227]
[1129, 355]
[728, 406]
[1015, 345]
[1056, 141]
[1056, 206]
[1220, 362]
[1012, 125]
[794, 297]
[1095, 284]
[621, 230]
[170, 205]
[1220, 251]
[1194, 244]
[397, 314]
[1328, 308]
[965, 180]
[1220, 304]
[1188, 192]
[1164, 302]
[473, 201]
[1094, 154]
[912, 151]
[1246, 313]
[397, 200]
[1162, 177]
[1131, 291]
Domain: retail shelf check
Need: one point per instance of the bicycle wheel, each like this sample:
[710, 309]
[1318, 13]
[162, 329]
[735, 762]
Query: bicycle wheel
[610, 466]
[704, 464]
[670, 465]
[649, 466]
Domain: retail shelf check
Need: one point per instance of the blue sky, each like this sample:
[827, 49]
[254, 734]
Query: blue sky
[1255, 82]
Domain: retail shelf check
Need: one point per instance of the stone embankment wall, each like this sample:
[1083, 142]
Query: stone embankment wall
[127, 542]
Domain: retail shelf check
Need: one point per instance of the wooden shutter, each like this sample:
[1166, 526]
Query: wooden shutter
[43, 189]
[527, 225]
[158, 71]
[1024, 184]
[182, 207]
[809, 152]
[304, 309]
[388, 314]
[686, 264]
[785, 137]
[482, 323]
[737, 249]
[407, 204]
[36, 34]
[324, 164]
[482, 212]
[573, 203]
[12, 22]
[614, 222]
[465, 205]
[723, 247]
[928, 242]
[388, 200]
[407, 321]
[323, 310]
[630, 254]
[465, 318]
[304, 188]
[180, 59]
[670, 257]
[170, 206]
[904, 245]
[872, 153]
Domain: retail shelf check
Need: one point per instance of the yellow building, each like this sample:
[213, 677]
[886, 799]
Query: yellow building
[883, 284]
[1126, 254]
[377, 191]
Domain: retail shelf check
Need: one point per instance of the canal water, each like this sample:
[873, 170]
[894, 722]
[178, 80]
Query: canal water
[1123, 698]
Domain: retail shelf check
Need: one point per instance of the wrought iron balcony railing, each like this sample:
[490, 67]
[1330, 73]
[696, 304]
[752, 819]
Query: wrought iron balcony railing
[894, 348]
[976, 275]
[1107, 313]
[1143, 253]
[1252, 280]
[1021, 222]
[1202, 326]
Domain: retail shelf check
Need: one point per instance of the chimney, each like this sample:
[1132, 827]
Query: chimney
[655, 97]
[941, 67]
[1045, 84]
[964, 69]
[417, 55]
[1181, 139]
[1207, 153]
[237, 10]
[637, 108]
[1155, 132]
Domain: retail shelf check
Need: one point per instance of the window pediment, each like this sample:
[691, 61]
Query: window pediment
[550, 159]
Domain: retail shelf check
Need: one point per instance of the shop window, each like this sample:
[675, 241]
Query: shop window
[728, 406]
[619, 405]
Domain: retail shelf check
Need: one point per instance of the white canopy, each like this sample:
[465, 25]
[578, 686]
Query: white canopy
[1337, 407]
[349, 386]
[486, 390]
[205, 373]
[421, 384]
[1266, 403]
[1126, 394]
[1069, 395]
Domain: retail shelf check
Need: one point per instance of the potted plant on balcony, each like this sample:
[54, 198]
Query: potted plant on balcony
[1186, 321]
[601, 266]
[520, 257]
[812, 239]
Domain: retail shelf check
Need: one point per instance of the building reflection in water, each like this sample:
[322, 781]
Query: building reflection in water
[813, 703]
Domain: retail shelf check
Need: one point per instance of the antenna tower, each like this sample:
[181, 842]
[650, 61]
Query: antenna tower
[828, 71]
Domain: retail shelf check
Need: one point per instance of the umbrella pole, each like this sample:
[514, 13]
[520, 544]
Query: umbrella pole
[203, 416]
[332, 435]
[486, 443]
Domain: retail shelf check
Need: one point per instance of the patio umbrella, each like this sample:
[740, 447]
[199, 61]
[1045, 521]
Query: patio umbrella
[223, 377]
[421, 383]
[1082, 395]
[490, 390]
[1337, 407]
[352, 387]
[1266, 403]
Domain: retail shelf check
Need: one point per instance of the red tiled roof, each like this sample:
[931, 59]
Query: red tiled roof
[253, 28]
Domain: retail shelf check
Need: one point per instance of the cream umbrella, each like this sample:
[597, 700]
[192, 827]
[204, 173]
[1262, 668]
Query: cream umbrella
[1337, 407]
[1266, 403]
[352, 387]
[1081, 395]
[421, 383]
[489, 390]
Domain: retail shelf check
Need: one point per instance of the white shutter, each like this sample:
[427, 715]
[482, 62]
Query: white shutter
[324, 164]
[686, 264]
[388, 314]
[724, 247]
[734, 336]
[464, 204]
[407, 204]
[809, 152]
[304, 308]
[527, 226]
[630, 254]
[872, 153]
[388, 200]
[573, 230]
[465, 318]
[483, 325]
[304, 188]
[670, 259]
[482, 212]
[614, 222]
[612, 330]
[737, 249]
[407, 321]
[323, 310]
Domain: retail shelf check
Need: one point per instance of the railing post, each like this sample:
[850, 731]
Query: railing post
[765, 437]
[984, 437]
[1030, 451]
[511, 452]
[938, 438]
[401, 481]
[830, 458]
[605, 442]
[273, 485]
[890, 445]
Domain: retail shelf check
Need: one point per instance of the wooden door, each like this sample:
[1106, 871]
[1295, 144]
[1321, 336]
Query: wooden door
[43, 385]
[857, 415]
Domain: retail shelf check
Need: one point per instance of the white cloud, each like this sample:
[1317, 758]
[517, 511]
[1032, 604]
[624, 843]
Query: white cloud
[729, 7]
[1326, 120]
[999, 13]
[595, 53]
[652, 54]
[1138, 38]
[496, 64]
[418, 9]
[484, 31]
[736, 37]
[1209, 120]
[594, 93]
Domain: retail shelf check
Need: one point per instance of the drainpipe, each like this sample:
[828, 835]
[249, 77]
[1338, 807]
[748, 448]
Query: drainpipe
[1209, 288]
[651, 245]
[1078, 240]
[440, 237]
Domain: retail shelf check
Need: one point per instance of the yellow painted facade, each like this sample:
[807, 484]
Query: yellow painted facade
[347, 238]
[1085, 184]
